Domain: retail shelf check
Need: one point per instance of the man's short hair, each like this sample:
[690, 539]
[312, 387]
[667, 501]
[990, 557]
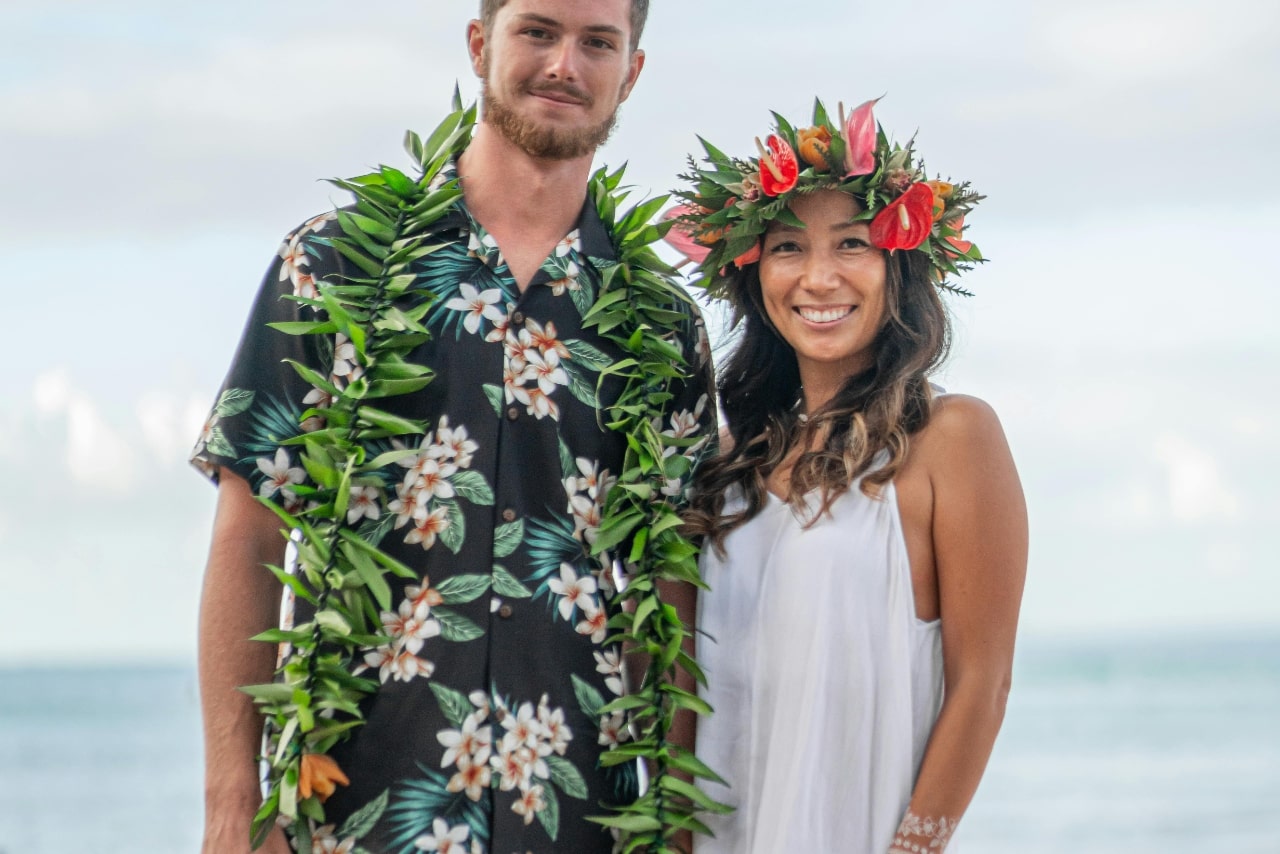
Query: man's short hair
[639, 14]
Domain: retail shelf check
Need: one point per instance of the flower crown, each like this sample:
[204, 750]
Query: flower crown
[732, 201]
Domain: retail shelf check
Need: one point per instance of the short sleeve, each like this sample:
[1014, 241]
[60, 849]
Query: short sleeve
[262, 400]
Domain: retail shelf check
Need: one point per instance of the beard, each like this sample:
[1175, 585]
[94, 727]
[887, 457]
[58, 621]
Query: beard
[547, 141]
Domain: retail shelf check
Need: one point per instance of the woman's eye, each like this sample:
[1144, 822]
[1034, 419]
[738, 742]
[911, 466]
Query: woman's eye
[785, 246]
[856, 244]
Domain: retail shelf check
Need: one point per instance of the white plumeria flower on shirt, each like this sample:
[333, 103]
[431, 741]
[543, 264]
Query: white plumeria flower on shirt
[323, 841]
[442, 838]
[557, 734]
[428, 527]
[433, 477]
[280, 475]
[523, 728]
[530, 803]
[586, 518]
[410, 626]
[595, 624]
[470, 745]
[571, 242]
[293, 255]
[499, 331]
[609, 663]
[575, 590]
[455, 444]
[472, 777]
[407, 665]
[540, 404]
[478, 304]
[363, 504]
[611, 729]
[480, 700]
[547, 374]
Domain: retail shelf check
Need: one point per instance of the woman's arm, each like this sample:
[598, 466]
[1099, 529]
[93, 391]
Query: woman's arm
[979, 533]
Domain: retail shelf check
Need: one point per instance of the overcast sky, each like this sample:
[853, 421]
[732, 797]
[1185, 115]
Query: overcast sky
[153, 154]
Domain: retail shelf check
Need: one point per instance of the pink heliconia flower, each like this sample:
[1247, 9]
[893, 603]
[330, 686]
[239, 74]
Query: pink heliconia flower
[751, 256]
[860, 141]
[681, 238]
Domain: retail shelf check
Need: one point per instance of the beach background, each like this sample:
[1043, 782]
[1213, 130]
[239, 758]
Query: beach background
[152, 155]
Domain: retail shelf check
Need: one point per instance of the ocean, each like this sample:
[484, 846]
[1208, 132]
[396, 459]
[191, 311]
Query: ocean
[1161, 744]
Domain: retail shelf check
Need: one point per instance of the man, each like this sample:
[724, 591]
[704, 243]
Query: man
[483, 735]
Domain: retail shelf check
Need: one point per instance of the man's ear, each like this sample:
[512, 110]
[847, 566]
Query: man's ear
[475, 47]
[633, 73]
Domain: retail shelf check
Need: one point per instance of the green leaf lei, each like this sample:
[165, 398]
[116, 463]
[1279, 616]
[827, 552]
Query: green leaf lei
[315, 699]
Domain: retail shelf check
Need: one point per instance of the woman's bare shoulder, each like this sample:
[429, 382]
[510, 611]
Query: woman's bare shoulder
[961, 427]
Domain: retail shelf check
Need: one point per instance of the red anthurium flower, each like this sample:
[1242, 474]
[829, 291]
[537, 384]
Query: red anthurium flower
[905, 222]
[680, 236]
[859, 140]
[779, 169]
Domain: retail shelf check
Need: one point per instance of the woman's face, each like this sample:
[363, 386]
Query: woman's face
[824, 290]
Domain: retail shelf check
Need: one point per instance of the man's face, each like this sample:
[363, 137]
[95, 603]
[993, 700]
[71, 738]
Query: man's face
[555, 72]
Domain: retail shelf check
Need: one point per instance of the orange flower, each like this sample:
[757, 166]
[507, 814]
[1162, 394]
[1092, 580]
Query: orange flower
[319, 774]
[814, 144]
[941, 192]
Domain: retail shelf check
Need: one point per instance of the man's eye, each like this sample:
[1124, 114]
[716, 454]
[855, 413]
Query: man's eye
[600, 44]
[537, 34]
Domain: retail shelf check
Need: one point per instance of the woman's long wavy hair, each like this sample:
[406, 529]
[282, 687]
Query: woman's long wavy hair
[876, 410]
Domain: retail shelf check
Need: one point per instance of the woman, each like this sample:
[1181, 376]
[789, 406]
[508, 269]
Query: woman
[865, 534]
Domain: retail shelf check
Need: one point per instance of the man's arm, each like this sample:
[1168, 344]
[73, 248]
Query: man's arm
[239, 599]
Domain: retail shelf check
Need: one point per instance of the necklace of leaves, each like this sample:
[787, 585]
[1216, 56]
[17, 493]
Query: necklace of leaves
[315, 700]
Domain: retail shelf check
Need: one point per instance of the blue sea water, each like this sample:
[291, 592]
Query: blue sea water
[1122, 746]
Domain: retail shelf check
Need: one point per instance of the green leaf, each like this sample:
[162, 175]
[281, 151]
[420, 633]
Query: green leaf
[506, 584]
[218, 444]
[550, 816]
[587, 354]
[333, 621]
[394, 424]
[456, 628]
[233, 401]
[628, 822]
[369, 574]
[507, 538]
[589, 699]
[454, 704]
[567, 777]
[494, 393]
[682, 760]
[471, 485]
[459, 589]
[455, 533]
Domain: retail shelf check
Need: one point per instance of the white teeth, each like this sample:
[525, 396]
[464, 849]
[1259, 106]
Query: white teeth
[826, 315]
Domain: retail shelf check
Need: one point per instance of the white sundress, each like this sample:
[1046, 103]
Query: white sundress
[825, 684]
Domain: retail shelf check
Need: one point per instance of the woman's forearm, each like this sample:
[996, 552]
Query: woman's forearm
[954, 761]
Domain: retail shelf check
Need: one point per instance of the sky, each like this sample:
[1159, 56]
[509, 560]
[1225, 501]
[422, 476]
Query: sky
[152, 155]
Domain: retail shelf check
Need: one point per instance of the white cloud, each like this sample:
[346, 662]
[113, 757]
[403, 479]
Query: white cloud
[95, 454]
[1195, 487]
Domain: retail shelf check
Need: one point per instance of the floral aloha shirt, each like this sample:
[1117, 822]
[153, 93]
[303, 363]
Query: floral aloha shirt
[485, 735]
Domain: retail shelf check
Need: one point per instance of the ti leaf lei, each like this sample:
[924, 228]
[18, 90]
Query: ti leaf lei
[315, 699]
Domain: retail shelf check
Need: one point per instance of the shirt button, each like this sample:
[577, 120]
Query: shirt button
[504, 612]
[499, 715]
[508, 515]
[518, 318]
[512, 413]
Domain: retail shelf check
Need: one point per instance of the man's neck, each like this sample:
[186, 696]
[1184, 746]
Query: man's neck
[526, 204]
[507, 190]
